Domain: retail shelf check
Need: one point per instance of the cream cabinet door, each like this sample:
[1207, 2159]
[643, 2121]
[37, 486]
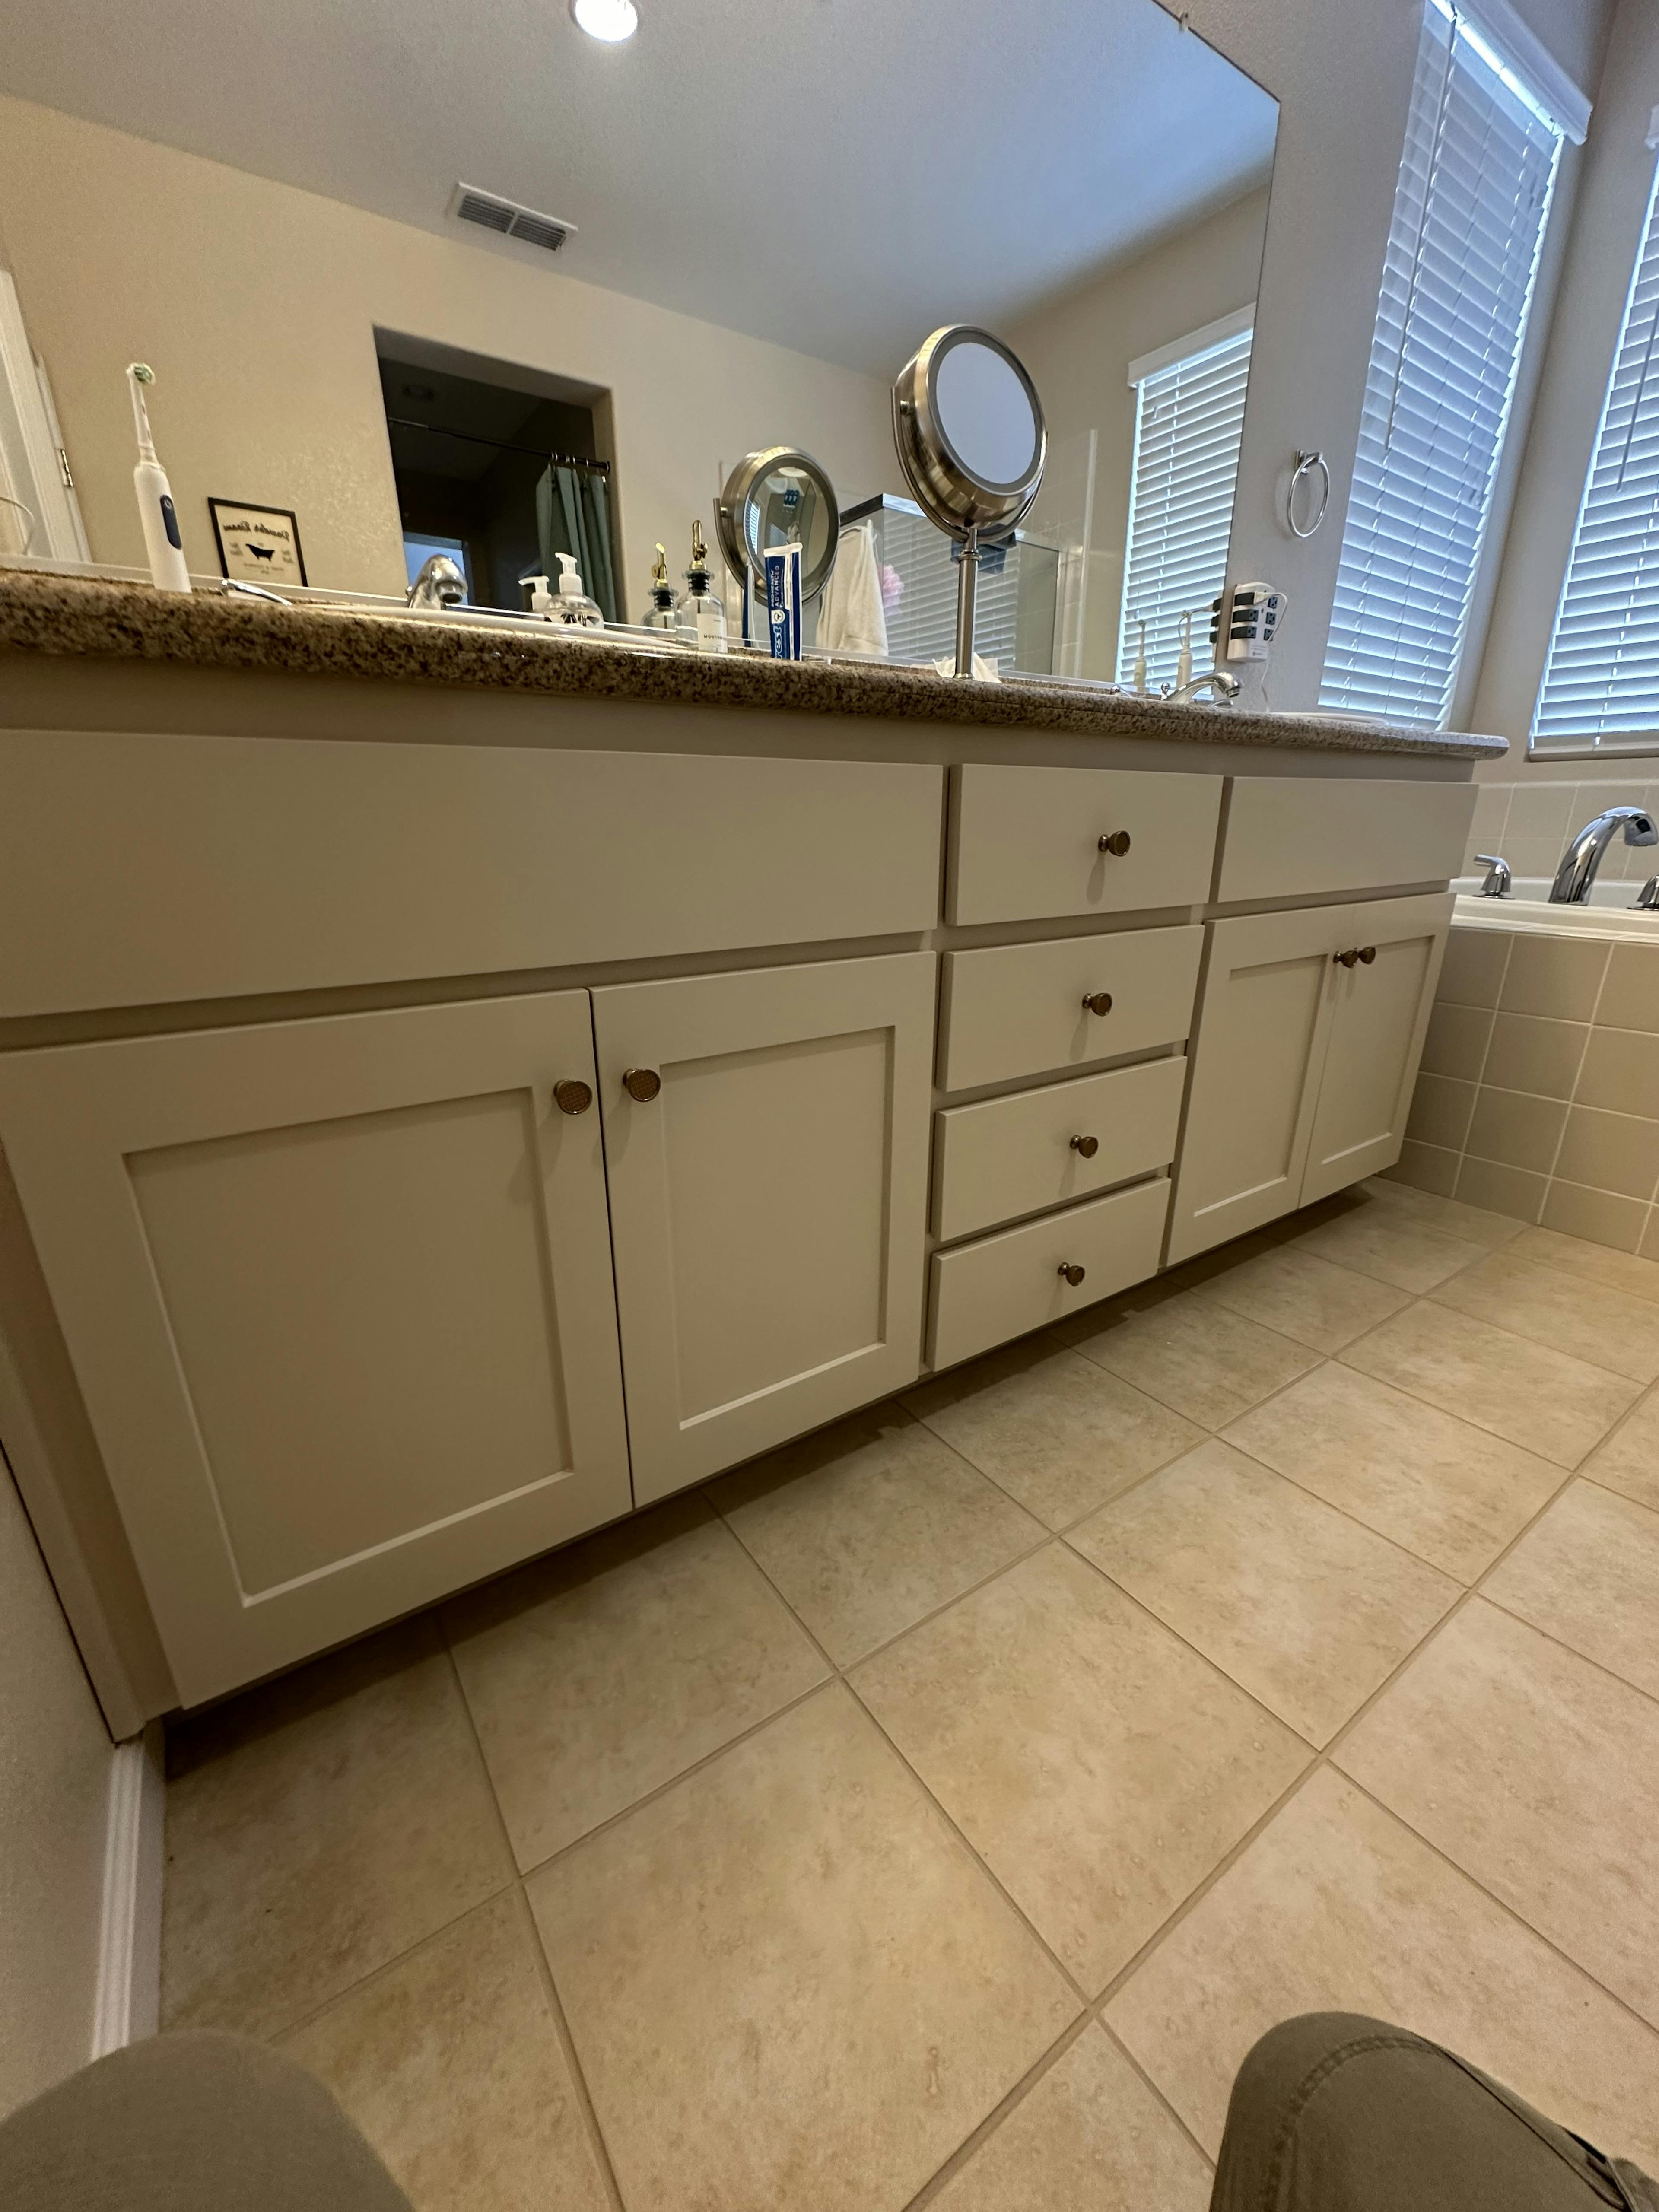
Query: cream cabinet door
[338, 1295]
[766, 1139]
[1258, 1050]
[1381, 1002]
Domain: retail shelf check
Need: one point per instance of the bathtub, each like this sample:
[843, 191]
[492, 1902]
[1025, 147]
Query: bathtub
[1610, 914]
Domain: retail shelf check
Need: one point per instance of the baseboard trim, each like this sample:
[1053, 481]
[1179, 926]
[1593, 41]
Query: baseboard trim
[129, 1943]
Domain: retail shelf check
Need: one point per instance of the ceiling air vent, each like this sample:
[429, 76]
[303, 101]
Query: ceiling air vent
[508, 219]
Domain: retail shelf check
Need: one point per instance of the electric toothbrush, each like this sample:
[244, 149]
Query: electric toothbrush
[165, 547]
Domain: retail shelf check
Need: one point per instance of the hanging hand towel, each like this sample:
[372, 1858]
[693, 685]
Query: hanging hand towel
[851, 618]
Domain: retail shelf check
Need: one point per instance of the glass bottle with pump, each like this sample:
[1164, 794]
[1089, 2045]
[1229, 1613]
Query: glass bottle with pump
[660, 614]
[701, 616]
[570, 607]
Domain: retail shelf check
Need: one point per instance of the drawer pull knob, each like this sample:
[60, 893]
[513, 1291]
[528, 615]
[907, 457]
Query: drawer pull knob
[1072, 1273]
[1117, 844]
[571, 1095]
[1097, 1002]
[1368, 953]
[642, 1083]
[1087, 1146]
[1346, 959]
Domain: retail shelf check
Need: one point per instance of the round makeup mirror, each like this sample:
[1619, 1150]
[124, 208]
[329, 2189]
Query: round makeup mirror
[772, 498]
[971, 441]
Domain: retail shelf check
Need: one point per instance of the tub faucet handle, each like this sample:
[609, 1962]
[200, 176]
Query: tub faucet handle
[1498, 879]
[1647, 899]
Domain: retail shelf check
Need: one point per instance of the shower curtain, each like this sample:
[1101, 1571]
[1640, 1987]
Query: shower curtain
[572, 515]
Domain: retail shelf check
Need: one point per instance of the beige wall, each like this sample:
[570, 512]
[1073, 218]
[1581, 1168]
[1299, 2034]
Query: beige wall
[256, 304]
[54, 1779]
[1079, 351]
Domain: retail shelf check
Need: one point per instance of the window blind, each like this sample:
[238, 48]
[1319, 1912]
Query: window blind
[1189, 413]
[1604, 656]
[1470, 210]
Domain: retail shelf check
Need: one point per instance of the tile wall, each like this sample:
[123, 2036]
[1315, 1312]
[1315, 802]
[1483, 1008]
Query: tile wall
[1529, 823]
[1539, 1097]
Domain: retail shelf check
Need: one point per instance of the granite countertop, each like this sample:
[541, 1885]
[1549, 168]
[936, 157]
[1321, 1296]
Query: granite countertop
[107, 619]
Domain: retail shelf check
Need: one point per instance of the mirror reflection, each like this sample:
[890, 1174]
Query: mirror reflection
[506, 324]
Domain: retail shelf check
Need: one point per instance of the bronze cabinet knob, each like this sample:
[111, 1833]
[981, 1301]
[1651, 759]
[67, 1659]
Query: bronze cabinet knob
[642, 1083]
[571, 1095]
[1072, 1274]
[1117, 844]
[1368, 953]
[1345, 960]
[1097, 1002]
[1087, 1146]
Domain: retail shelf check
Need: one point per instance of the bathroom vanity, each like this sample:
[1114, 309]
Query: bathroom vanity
[460, 1087]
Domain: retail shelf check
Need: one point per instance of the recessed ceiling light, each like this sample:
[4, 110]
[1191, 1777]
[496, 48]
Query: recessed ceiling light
[612, 20]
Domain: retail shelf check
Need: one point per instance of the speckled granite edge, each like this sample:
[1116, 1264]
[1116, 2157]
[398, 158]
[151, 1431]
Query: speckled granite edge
[75, 616]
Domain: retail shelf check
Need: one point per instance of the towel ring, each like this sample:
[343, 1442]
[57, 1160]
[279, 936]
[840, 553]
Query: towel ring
[1305, 466]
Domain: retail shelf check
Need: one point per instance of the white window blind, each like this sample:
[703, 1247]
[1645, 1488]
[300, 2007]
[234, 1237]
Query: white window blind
[1189, 412]
[1604, 657]
[1469, 212]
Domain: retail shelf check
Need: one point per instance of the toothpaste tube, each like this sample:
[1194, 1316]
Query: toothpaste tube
[783, 600]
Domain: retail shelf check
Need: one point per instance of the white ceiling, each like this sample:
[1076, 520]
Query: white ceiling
[840, 176]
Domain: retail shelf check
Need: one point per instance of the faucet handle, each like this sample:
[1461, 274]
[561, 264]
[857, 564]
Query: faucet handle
[1647, 899]
[1498, 878]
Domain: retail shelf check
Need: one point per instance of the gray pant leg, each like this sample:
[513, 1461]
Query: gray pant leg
[190, 2123]
[1333, 2113]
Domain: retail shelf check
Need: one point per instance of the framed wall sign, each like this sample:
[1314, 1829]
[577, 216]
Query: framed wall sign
[257, 545]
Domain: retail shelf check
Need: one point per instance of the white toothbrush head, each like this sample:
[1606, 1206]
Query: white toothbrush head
[141, 371]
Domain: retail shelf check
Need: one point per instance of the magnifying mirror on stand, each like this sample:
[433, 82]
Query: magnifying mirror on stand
[775, 497]
[972, 443]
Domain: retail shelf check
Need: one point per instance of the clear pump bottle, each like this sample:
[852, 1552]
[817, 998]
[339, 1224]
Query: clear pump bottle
[660, 614]
[701, 615]
[570, 607]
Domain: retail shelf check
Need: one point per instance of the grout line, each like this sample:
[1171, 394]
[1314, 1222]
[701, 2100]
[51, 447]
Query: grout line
[1509, 1911]
[595, 2133]
[971, 2144]
[1585, 1658]
[1112, 2035]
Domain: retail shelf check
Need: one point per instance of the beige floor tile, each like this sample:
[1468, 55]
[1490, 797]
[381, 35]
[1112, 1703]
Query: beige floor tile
[1619, 1271]
[1533, 1771]
[1545, 1400]
[1629, 1461]
[1307, 1610]
[1196, 1357]
[1054, 1430]
[1089, 2138]
[317, 1828]
[1338, 1907]
[599, 1674]
[1588, 1573]
[1569, 1313]
[1377, 1236]
[1429, 1482]
[1306, 1298]
[869, 1526]
[1099, 1767]
[788, 1984]
[452, 2066]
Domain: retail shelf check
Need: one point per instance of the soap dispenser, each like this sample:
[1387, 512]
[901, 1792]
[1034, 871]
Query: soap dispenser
[660, 614]
[701, 618]
[570, 607]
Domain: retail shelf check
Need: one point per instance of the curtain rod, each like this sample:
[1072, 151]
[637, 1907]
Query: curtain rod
[501, 445]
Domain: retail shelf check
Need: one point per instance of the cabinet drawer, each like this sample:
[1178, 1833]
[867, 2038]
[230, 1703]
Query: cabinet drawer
[1291, 836]
[138, 869]
[1013, 1156]
[1018, 1009]
[1026, 841]
[982, 1294]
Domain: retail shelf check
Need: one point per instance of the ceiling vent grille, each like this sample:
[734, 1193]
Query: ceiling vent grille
[508, 219]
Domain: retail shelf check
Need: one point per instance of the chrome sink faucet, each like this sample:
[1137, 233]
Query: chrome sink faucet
[439, 584]
[1223, 688]
[1582, 857]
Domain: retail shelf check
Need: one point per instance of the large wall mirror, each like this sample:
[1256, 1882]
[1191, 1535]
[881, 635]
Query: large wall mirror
[760, 218]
